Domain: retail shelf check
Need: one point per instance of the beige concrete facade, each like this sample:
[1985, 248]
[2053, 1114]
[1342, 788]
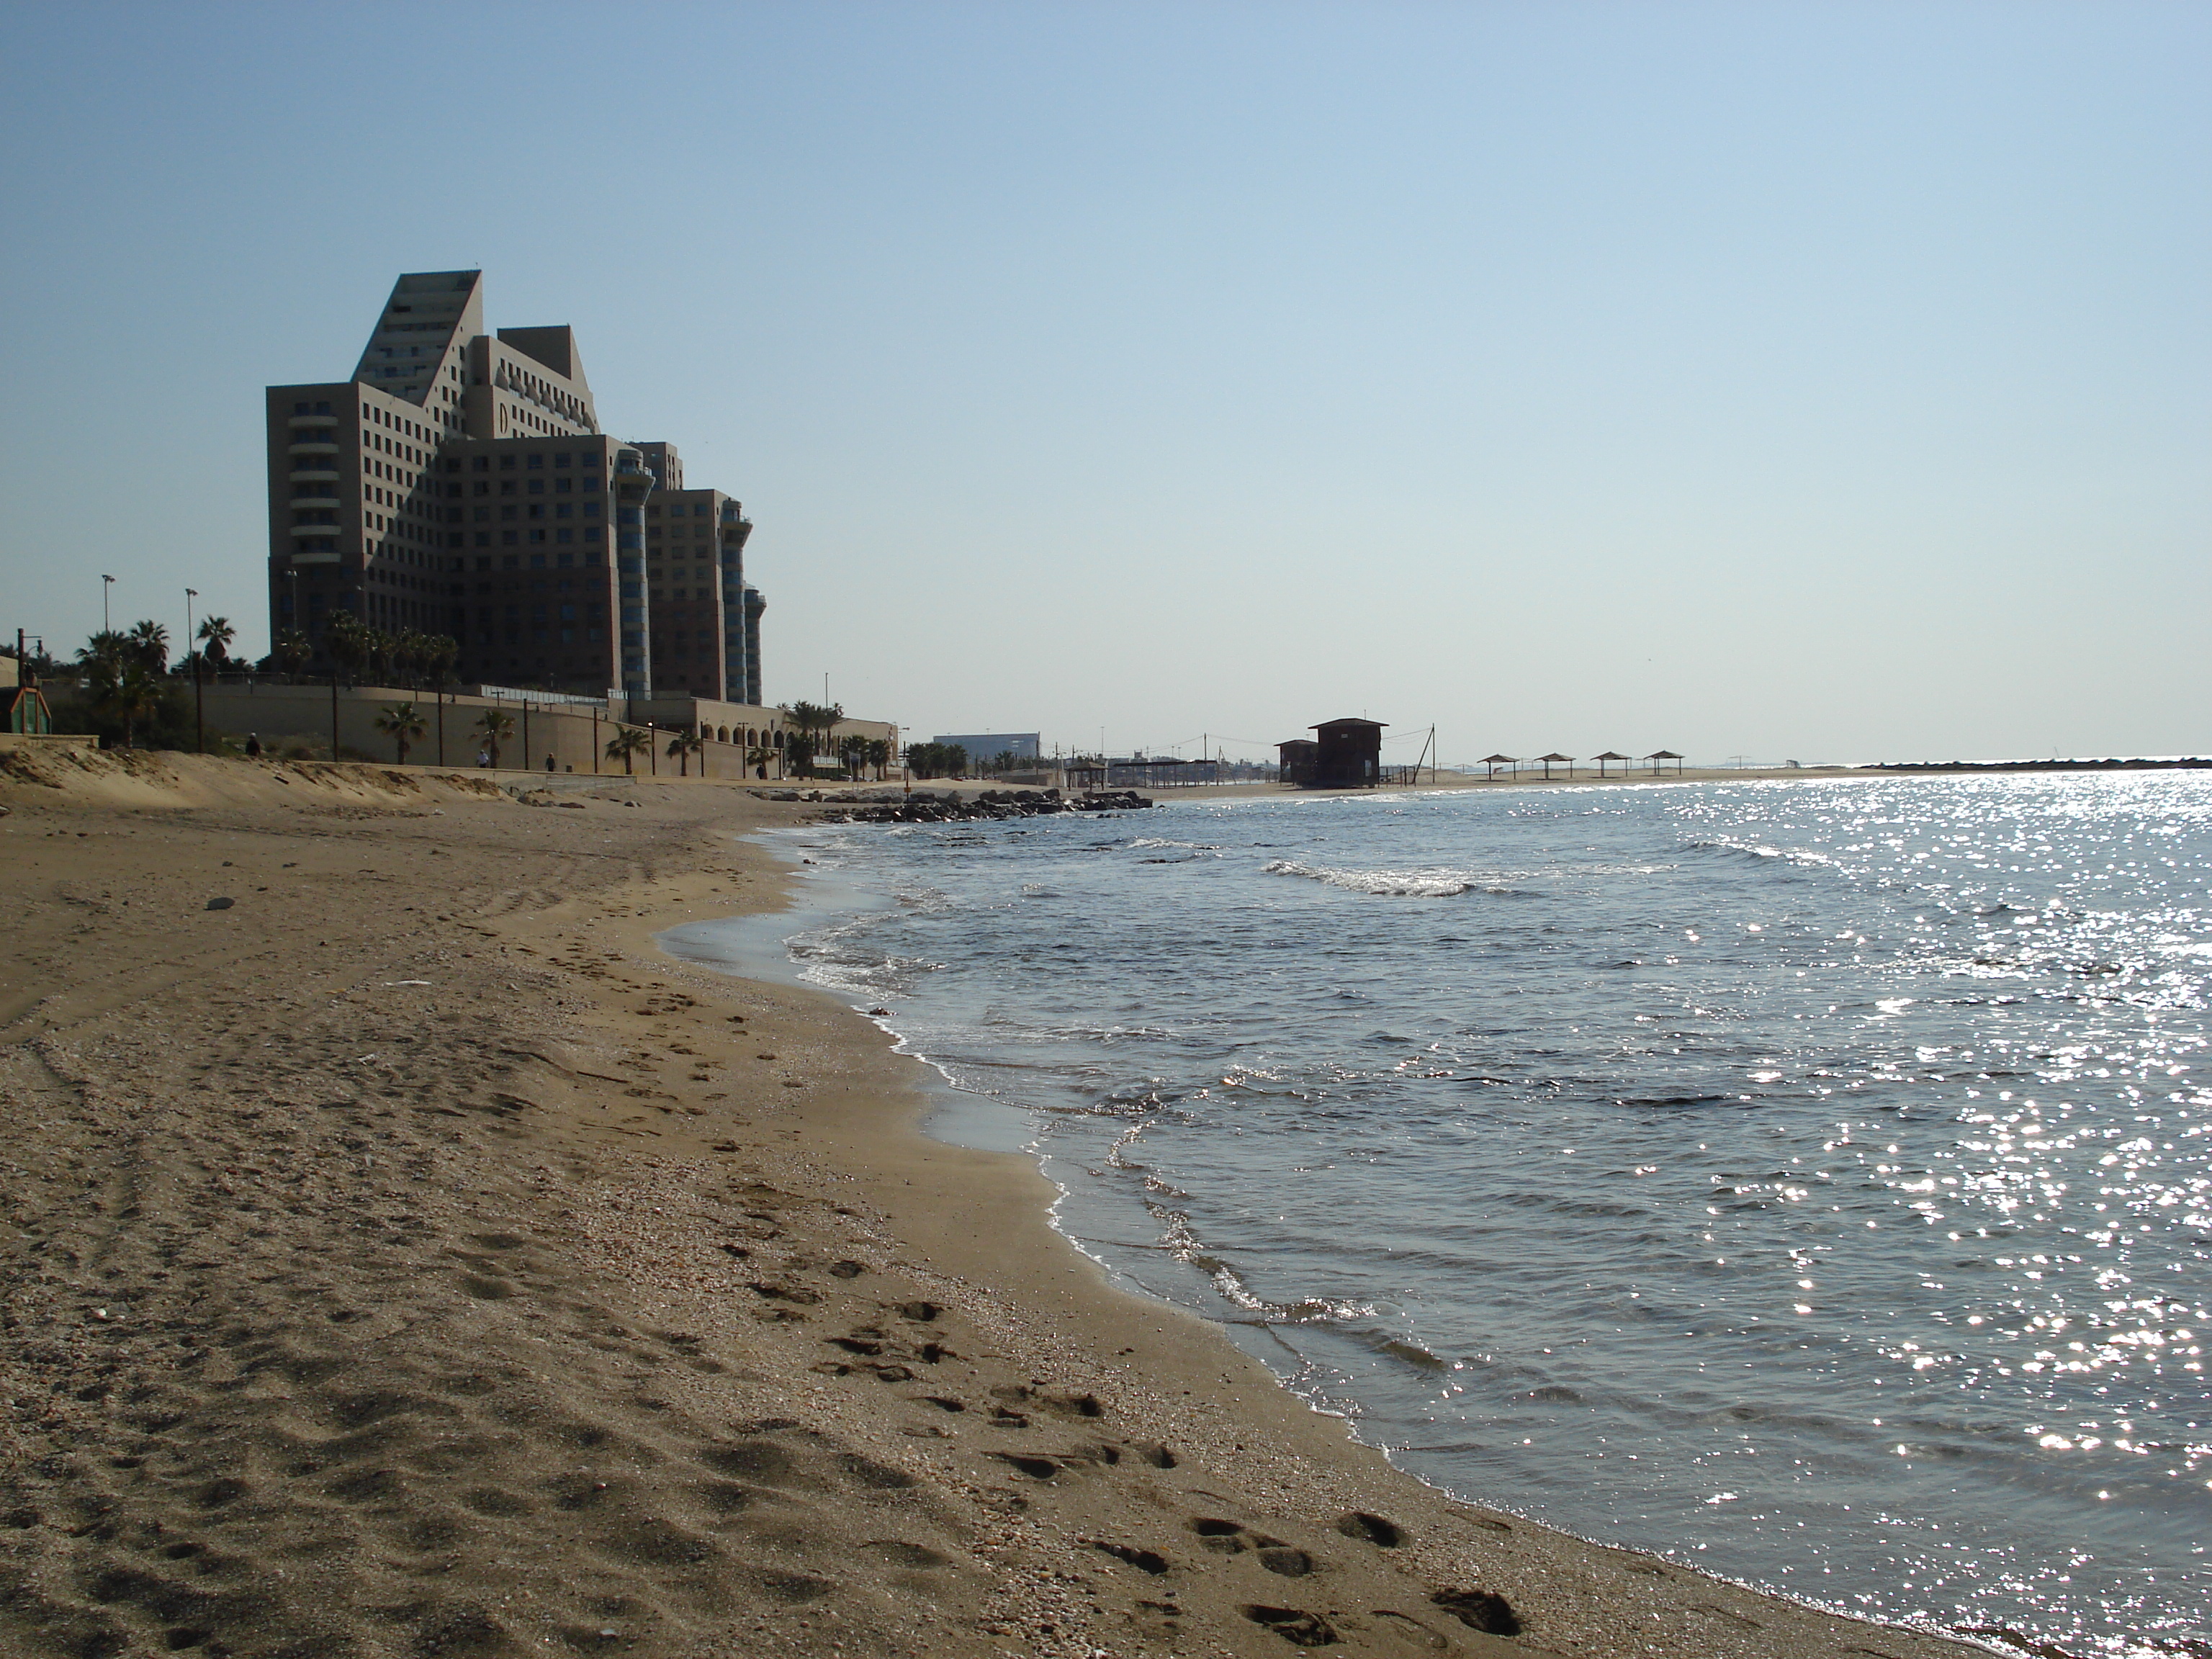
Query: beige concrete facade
[460, 484]
[574, 734]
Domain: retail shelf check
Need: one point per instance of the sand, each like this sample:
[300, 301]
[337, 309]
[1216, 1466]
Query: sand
[409, 1258]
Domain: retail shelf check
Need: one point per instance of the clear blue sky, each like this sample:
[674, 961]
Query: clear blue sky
[1822, 381]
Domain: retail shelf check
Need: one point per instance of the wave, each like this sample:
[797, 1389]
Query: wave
[1761, 853]
[1390, 884]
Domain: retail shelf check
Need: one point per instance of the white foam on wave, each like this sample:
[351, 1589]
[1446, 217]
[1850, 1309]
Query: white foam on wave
[1388, 883]
[1798, 856]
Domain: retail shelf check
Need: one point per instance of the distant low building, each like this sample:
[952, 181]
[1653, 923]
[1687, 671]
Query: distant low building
[989, 745]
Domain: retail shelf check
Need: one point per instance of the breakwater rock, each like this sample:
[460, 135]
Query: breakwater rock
[947, 806]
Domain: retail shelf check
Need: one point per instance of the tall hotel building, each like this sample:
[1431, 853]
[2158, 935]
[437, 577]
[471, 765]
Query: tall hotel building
[458, 484]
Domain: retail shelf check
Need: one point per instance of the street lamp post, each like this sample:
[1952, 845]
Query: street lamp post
[106, 626]
[200, 705]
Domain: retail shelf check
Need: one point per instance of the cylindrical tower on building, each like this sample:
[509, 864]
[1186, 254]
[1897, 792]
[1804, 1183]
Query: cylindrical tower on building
[754, 605]
[632, 483]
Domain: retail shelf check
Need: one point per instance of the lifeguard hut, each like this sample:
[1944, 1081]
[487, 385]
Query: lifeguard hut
[26, 705]
[1295, 762]
[1348, 754]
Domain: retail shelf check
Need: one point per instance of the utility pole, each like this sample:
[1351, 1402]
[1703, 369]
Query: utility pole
[199, 707]
[106, 626]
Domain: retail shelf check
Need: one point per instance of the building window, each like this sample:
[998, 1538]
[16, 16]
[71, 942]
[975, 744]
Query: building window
[564, 510]
[483, 539]
[537, 485]
[536, 535]
[564, 535]
[507, 538]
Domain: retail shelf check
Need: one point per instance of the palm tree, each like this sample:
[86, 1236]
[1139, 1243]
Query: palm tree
[122, 685]
[347, 642]
[291, 650]
[381, 649]
[812, 721]
[682, 747]
[216, 637]
[880, 755]
[854, 751]
[628, 741]
[757, 758]
[108, 646]
[438, 654]
[495, 728]
[149, 643]
[403, 724]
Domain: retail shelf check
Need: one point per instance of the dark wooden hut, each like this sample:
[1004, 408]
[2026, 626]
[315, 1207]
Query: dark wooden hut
[1348, 754]
[1295, 762]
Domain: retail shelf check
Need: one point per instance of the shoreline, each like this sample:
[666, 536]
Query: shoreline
[545, 1291]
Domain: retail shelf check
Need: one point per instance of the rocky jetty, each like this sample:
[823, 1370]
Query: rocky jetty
[948, 806]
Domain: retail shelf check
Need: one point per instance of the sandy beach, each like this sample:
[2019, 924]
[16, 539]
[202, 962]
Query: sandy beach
[407, 1258]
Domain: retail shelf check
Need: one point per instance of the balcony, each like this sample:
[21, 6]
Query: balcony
[316, 558]
[313, 447]
[316, 529]
[298, 422]
[302, 503]
[314, 474]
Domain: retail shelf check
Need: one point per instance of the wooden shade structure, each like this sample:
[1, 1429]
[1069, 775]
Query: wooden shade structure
[1658, 755]
[1546, 761]
[1609, 756]
[1493, 762]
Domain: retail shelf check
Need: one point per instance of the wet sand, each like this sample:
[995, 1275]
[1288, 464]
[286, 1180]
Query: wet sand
[407, 1259]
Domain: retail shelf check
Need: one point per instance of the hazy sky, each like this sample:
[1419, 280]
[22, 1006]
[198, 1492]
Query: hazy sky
[1802, 380]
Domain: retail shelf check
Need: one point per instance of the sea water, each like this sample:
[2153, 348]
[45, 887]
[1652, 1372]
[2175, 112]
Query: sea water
[1808, 1182]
